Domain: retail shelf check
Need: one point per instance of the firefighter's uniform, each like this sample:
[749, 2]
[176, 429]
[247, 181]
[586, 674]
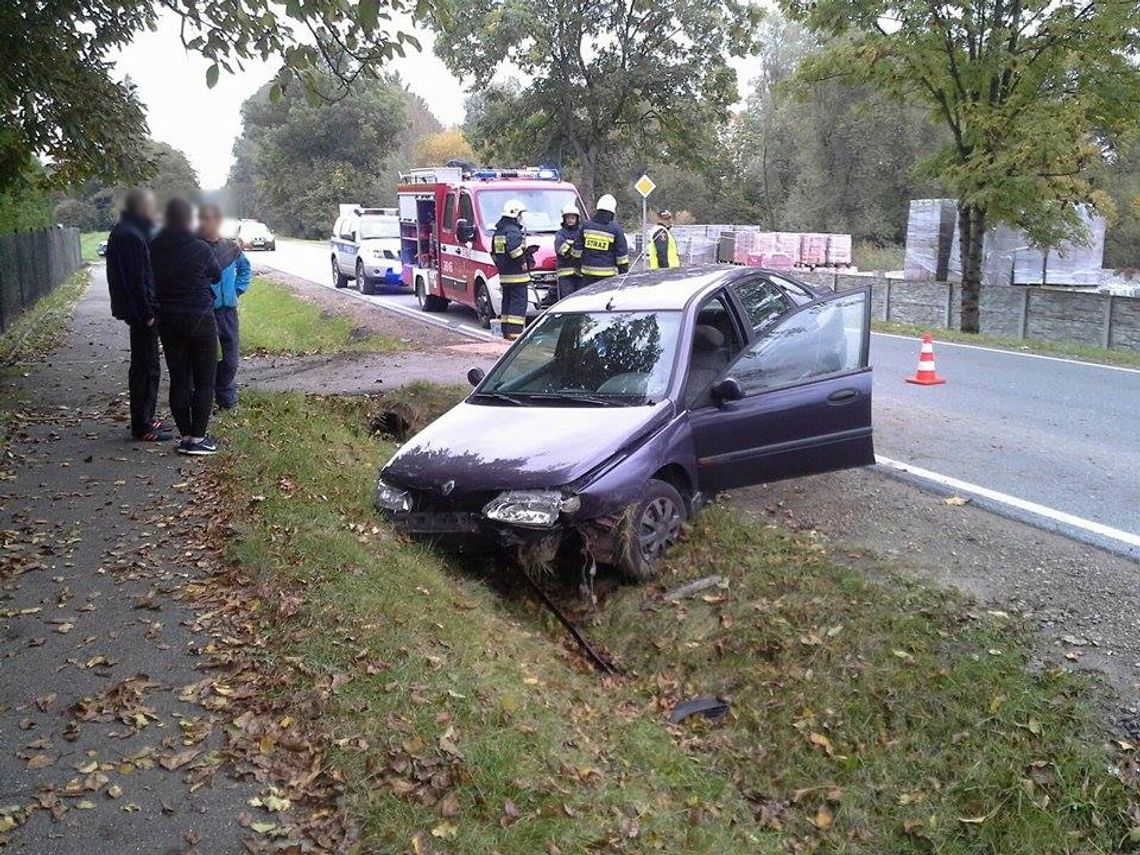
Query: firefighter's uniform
[567, 254]
[605, 252]
[663, 248]
[508, 251]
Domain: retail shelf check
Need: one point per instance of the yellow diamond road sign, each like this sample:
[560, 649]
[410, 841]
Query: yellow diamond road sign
[644, 185]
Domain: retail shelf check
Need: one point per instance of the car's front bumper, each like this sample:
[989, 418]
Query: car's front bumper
[384, 275]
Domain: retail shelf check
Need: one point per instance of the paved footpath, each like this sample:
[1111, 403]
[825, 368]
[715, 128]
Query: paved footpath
[96, 748]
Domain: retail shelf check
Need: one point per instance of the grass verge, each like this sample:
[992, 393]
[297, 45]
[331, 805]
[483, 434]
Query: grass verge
[869, 715]
[867, 255]
[89, 243]
[1069, 349]
[274, 321]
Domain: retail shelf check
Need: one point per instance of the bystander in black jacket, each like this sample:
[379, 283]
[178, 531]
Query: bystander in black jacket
[129, 277]
[184, 269]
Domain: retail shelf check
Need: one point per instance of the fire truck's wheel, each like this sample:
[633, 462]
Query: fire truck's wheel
[362, 282]
[484, 308]
[429, 302]
[339, 279]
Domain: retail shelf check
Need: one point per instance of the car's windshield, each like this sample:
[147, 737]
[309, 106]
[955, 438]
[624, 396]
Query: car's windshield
[379, 227]
[590, 358]
[543, 207]
[252, 230]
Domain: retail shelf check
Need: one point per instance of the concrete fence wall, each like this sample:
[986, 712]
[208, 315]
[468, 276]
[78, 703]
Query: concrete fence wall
[1047, 314]
[31, 265]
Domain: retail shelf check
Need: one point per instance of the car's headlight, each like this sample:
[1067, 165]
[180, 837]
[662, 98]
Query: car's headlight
[534, 508]
[391, 498]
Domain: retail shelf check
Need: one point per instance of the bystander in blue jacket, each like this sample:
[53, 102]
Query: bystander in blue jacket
[236, 275]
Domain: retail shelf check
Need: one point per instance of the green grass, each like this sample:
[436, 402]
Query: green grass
[275, 321]
[1070, 349]
[89, 242]
[872, 256]
[869, 715]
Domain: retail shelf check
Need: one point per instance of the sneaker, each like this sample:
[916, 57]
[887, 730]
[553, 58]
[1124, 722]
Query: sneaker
[155, 434]
[201, 448]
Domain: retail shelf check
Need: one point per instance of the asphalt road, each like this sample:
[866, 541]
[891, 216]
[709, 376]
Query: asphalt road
[1049, 440]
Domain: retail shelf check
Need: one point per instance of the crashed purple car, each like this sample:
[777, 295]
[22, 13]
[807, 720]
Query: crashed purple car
[603, 428]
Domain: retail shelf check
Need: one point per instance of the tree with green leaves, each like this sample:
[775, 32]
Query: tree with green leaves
[603, 77]
[60, 101]
[1032, 93]
[298, 158]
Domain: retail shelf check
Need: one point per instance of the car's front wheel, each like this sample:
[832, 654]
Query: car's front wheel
[429, 302]
[362, 282]
[338, 278]
[650, 530]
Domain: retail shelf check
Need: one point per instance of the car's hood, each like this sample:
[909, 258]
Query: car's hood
[392, 244]
[490, 447]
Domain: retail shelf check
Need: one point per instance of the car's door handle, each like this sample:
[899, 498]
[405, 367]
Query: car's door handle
[843, 396]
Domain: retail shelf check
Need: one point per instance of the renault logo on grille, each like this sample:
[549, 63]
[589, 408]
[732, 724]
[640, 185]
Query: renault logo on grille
[447, 487]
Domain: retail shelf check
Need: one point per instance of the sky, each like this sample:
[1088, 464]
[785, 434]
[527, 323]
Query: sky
[203, 123]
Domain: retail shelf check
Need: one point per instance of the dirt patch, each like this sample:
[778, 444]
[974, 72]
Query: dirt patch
[369, 319]
[1085, 602]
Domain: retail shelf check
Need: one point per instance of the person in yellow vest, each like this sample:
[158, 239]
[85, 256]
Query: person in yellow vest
[662, 245]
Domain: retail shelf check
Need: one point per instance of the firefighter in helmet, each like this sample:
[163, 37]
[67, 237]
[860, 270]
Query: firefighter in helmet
[604, 251]
[567, 253]
[509, 252]
[662, 244]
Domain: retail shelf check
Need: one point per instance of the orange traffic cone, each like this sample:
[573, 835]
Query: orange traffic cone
[926, 375]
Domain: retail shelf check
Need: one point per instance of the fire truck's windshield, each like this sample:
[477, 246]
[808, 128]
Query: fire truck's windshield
[379, 227]
[543, 207]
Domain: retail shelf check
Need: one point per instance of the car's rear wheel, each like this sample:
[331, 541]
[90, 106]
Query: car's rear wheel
[484, 308]
[429, 302]
[338, 278]
[650, 530]
[362, 282]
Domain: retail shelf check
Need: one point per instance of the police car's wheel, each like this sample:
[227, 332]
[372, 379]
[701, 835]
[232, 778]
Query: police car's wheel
[484, 308]
[650, 530]
[362, 282]
[339, 279]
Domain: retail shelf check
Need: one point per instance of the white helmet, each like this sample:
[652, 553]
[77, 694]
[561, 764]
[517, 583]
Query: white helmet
[607, 203]
[571, 209]
[513, 208]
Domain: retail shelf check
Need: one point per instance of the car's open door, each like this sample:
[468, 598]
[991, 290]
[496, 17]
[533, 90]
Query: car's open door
[800, 403]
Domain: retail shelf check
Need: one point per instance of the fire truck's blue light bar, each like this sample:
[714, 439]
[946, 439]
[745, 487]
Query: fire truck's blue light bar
[540, 173]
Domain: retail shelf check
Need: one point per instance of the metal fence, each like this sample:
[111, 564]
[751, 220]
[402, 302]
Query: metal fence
[31, 265]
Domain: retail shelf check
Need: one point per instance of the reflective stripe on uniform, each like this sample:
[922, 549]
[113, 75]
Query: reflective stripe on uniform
[567, 271]
[514, 278]
[623, 260]
[514, 319]
[599, 271]
[517, 252]
[592, 239]
[575, 253]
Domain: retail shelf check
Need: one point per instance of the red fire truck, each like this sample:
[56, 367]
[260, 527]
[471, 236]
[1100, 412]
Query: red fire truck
[447, 215]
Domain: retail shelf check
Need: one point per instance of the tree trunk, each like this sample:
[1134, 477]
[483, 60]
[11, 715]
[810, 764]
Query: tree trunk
[588, 167]
[971, 235]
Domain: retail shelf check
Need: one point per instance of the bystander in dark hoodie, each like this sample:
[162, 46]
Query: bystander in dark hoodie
[184, 271]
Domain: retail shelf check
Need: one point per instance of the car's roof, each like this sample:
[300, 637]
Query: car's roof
[653, 289]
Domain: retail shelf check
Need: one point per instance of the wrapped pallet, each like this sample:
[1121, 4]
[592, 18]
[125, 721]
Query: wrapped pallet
[929, 238]
[839, 250]
[813, 249]
[788, 243]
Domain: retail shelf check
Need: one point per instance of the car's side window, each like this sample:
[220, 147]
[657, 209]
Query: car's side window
[716, 342]
[761, 300]
[466, 209]
[336, 227]
[449, 212]
[822, 338]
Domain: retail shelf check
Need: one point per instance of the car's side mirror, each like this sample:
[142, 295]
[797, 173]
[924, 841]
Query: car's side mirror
[475, 375]
[464, 231]
[728, 389]
[347, 236]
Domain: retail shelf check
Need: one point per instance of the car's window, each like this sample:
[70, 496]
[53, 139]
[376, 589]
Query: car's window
[715, 344]
[379, 226]
[449, 212]
[824, 338]
[761, 300]
[466, 209]
[792, 287]
[348, 228]
[336, 226]
[543, 206]
[590, 358]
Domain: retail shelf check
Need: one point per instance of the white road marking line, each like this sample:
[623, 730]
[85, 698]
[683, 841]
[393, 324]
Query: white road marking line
[1024, 505]
[944, 343]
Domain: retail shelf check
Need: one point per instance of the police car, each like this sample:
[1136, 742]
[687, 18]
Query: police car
[365, 248]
